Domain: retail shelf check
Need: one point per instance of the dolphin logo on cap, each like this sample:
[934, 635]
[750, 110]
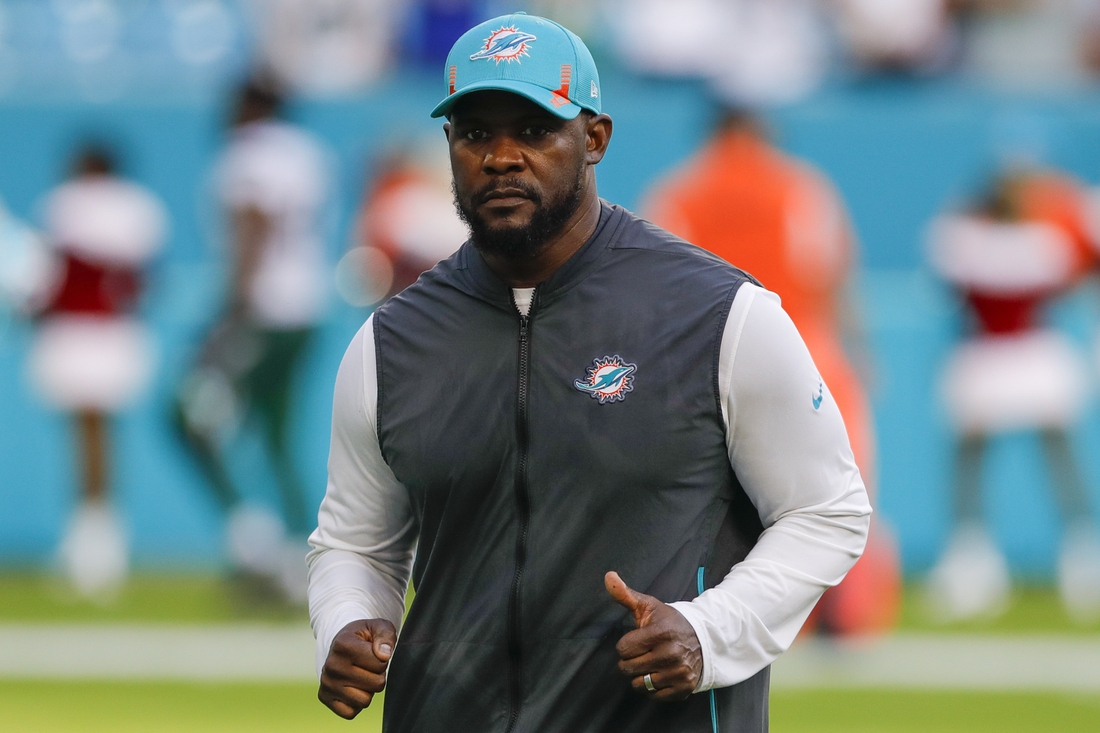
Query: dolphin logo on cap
[505, 44]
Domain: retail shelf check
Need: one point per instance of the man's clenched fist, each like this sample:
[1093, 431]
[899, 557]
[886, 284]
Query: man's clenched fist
[356, 666]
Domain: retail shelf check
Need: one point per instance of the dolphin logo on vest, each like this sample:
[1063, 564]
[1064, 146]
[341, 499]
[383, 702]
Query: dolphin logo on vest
[608, 380]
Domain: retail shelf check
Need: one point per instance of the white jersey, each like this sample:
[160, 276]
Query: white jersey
[282, 171]
[786, 443]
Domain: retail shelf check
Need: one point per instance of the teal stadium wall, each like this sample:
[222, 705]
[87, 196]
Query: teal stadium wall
[898, 152]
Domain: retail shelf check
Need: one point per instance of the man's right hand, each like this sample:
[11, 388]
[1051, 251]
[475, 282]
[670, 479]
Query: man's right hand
[356, 666]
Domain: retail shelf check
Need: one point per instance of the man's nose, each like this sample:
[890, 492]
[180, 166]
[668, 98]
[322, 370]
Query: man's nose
[504, 156]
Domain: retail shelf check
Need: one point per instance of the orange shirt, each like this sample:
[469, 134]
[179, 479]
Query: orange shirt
[1059, 200]
[781, 221]
[766, 213]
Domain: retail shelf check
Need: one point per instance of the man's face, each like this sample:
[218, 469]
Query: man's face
[519, 171]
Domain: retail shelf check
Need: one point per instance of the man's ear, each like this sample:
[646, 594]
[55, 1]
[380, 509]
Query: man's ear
[597, 136]
[447, 130]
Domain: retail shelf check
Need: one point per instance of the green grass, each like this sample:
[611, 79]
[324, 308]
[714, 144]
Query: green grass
[874, 711]
[1032, 610]
[207, 599]
[33, 706]
[91, 707]
[26, 598]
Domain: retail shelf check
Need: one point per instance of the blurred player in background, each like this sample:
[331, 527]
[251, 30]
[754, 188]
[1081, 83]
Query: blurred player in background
[1024, 245]
[273, 182]
[911, 36]
[327, 47]
[406, 224]
[778, 218]
[774, 50]
[92, 356]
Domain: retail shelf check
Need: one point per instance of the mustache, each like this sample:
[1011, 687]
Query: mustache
[506, 184]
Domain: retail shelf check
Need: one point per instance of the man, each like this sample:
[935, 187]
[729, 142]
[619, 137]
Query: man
[574, 405]
[746, 201]
[272, 182]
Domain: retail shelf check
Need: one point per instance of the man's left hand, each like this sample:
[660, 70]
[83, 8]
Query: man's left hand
[663, 645]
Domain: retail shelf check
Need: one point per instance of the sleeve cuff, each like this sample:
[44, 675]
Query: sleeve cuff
[692, 614]
[339, 618]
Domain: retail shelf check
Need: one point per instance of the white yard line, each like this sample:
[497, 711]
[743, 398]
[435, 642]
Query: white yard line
[262, 652]
[238, 652]
[927, 661]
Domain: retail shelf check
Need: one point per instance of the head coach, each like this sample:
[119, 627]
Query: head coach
[604, 456]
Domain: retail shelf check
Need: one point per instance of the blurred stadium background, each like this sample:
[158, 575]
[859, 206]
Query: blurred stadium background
[908, 106]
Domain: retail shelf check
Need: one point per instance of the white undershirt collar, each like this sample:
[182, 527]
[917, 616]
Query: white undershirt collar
[523, 298]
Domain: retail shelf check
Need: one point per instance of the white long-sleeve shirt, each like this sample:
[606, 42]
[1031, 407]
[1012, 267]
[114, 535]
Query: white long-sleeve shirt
[787, 446]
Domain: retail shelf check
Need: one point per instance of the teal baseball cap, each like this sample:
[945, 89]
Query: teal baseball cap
[527, 55]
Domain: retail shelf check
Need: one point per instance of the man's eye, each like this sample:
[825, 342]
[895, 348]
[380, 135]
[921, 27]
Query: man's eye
[476, 135]
[536, 131]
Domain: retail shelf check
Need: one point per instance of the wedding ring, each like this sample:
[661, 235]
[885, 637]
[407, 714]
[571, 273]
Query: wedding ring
[648, 680]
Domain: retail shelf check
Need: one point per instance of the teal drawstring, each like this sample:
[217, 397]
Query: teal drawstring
[713, 701]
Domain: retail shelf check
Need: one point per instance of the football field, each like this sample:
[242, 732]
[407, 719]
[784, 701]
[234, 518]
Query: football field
[50, 706]
[180, 654]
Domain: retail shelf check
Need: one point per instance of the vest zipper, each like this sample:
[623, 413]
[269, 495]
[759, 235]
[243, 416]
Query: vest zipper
[523, 506]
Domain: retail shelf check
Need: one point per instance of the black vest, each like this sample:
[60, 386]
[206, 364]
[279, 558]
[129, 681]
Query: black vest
[541, 452]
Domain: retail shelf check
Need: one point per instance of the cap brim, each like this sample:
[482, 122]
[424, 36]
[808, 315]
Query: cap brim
[544, 98]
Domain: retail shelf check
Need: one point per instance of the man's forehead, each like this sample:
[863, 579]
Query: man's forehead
[497, 105]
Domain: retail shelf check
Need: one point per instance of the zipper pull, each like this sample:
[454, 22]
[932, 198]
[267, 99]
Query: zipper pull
[524, 318]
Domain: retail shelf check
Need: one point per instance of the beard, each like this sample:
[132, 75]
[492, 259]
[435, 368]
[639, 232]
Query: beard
[525, 241]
